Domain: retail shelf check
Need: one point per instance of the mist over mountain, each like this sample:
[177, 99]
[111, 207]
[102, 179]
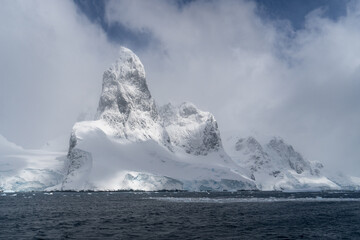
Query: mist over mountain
[283, 68]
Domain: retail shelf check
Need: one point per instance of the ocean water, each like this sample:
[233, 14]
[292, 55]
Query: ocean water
[180, 215]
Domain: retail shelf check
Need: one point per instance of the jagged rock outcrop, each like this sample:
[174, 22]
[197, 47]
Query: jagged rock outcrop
[194, 131]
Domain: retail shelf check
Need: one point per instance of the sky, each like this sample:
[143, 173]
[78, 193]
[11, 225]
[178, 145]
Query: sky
[286, 68]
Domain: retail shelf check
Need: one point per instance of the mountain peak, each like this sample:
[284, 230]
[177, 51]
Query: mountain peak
[127, 63]
[126, 104]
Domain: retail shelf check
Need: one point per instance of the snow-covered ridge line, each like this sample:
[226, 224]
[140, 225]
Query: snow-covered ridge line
[276, 165]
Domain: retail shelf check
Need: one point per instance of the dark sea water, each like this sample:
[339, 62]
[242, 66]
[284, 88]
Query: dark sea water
[180, 215]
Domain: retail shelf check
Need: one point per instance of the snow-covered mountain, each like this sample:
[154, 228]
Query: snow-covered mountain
[277, 166]
[133, 145]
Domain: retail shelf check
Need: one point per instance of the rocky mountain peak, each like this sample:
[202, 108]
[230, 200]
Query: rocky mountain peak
[126, 103]
[127, 69]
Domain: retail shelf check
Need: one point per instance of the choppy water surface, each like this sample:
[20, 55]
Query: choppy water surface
[241, 215]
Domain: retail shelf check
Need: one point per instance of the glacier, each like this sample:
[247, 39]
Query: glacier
[133, 144]
[29, 170]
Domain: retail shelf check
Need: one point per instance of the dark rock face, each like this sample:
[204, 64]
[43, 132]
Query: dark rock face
[211, 140]
[79, 166]
[79, 163]
[72, 143]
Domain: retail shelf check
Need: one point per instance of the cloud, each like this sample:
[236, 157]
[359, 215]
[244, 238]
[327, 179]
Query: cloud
[51, 65]
[322, 110]
[256, 74]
